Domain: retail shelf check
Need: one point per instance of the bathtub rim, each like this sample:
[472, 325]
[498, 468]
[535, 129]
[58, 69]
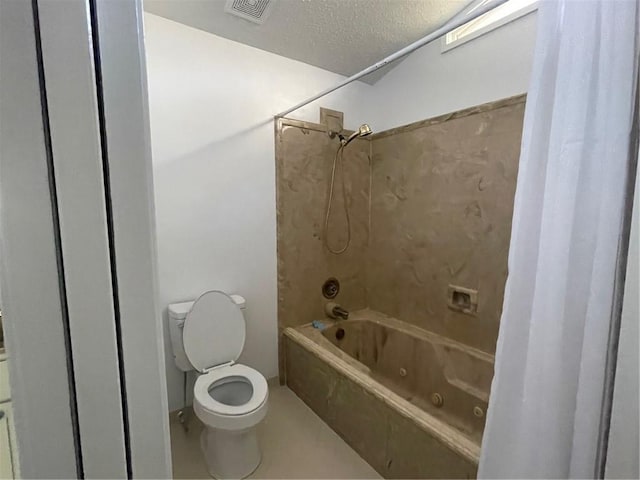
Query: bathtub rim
[441, 431]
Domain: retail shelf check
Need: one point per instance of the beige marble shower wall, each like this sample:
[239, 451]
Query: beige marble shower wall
[441, 208]
[440, 213]
[304, 157]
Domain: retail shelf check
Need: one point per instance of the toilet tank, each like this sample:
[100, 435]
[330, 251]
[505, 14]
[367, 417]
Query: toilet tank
[177, 313]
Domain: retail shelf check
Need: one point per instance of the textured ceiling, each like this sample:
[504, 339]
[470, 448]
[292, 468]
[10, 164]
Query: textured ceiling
[342, 36]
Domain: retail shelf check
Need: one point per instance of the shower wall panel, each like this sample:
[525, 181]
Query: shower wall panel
[441, 208]
[304, 157]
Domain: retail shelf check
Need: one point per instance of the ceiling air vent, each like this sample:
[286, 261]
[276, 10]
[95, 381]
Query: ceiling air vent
[255, 11]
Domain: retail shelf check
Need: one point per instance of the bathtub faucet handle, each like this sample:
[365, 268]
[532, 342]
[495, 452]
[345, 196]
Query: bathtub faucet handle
[333, 310]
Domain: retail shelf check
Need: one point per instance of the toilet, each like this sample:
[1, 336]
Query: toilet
[229, 398]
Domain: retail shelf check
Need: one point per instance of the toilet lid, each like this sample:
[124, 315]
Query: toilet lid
[214, 331]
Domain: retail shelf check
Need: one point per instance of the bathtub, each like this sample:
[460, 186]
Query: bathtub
[410, 402]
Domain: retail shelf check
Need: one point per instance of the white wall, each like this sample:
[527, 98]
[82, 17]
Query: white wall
[429, 83]
[212, 103]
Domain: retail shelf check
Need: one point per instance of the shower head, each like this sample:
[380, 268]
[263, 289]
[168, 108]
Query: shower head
[362, 131]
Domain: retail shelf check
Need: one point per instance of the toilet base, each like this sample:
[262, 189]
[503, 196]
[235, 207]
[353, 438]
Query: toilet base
[230, 453]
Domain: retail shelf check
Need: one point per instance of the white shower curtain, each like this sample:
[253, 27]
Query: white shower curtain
[546, 396]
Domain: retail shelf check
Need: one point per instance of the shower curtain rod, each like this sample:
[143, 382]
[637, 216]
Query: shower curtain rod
[439, 32]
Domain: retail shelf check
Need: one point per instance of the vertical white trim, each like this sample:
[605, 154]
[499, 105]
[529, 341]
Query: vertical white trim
[624, 441]
[31, 295]
[124, 82]
[99, 231]
[75, 140]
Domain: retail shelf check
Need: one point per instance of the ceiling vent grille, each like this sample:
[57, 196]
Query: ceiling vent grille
[255, 11]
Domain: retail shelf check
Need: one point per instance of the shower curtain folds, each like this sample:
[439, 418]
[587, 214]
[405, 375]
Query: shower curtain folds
[567, 235]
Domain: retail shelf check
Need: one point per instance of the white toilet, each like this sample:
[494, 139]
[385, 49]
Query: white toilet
[229, 398]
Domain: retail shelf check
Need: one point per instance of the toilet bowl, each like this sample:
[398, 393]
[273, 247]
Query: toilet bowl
[231, 401]
[229, 398]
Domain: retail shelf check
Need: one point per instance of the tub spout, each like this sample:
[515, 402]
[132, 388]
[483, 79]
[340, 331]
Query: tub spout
[340, 312]
[333, 310]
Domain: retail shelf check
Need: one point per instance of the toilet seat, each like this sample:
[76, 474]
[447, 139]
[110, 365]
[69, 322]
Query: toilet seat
[213, 339]
[206, 381]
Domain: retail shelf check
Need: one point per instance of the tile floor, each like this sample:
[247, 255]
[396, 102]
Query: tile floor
[295, 442]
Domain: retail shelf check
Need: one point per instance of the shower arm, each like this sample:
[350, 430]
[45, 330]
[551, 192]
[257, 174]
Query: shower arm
[452, 24]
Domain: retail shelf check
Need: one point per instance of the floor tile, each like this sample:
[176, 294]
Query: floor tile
[295, 443]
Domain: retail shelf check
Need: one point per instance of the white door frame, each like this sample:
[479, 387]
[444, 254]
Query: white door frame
[77, 151]
[128, 139]
[84, 121]
[33, 294]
